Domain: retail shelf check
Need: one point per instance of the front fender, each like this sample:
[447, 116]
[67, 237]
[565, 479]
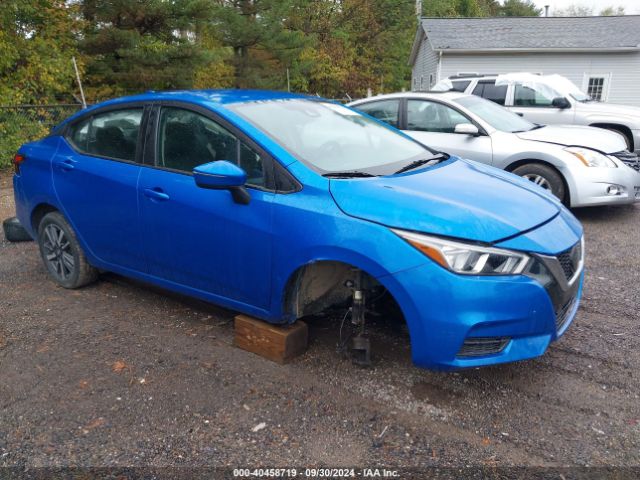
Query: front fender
[612, 119]
[334, 236]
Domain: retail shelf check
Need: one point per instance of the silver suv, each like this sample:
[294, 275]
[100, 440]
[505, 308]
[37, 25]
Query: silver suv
[549, 100]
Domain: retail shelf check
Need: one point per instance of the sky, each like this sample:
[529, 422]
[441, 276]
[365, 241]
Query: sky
[630, 6]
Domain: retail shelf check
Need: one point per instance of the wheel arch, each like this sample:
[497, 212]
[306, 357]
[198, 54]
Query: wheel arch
[320, 283]
[38, 213]
[622, 129]
[525, 161]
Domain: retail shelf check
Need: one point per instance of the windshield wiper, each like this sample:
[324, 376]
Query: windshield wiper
[423, 161]
[348, 174]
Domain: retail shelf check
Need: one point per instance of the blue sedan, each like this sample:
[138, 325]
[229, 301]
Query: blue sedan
[280, 206]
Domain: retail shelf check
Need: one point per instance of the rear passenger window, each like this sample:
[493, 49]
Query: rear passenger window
[460, 85]
[79, 134]
[111, 134]
[386, 110]
[490, 91]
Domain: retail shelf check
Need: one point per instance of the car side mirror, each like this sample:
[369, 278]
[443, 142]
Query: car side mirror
[223, 175]
[467, 129]
[560, 102]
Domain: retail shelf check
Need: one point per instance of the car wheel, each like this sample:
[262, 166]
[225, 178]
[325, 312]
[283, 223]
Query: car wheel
[62, 254]
[14, 231]
[545, 177]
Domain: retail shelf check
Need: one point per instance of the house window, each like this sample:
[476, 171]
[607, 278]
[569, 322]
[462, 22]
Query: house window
[430, 80]
[597, 86]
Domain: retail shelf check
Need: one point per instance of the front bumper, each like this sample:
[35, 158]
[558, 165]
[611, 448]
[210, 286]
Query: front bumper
[517, 307]
[605, 186]
[462, 321]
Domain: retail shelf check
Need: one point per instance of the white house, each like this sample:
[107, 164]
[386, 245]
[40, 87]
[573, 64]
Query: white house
[599, 54]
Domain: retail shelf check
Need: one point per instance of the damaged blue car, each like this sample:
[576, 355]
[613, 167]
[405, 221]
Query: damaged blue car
[280, 206]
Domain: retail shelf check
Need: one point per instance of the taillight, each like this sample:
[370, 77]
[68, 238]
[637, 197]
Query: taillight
[17, 160]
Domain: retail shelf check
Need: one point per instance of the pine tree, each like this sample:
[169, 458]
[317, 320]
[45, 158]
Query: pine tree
[136, 45]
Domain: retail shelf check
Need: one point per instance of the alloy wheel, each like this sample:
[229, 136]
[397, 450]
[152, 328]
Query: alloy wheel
[538, 180]
[57, 251]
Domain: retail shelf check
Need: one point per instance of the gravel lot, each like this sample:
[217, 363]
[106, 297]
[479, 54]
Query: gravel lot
[123, 374]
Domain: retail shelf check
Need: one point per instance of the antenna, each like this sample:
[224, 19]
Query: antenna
[419, 9]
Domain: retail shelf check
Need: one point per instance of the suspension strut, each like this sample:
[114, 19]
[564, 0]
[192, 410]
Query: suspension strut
[361, 346]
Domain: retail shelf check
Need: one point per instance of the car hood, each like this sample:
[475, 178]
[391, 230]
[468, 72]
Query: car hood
[457, 198]
[611, 109]
[573, 135]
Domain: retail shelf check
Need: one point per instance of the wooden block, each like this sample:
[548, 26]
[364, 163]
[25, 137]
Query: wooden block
[279, 343]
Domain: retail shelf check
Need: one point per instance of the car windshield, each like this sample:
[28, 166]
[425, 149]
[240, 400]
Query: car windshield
[498, 117]
[331, 138]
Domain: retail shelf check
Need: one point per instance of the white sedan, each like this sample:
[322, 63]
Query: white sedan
[583, 166]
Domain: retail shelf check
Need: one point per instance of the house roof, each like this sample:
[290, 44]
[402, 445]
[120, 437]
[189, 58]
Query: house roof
[530, 33]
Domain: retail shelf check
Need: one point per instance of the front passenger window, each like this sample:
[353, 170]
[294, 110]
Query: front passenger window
[426, 116]
[187, 139]
[528, 97]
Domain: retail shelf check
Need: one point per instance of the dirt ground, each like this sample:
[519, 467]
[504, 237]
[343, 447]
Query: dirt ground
[123, 374]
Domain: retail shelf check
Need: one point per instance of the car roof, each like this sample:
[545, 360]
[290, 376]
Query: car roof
[449, 95]
[462, 77]
[211, 97]
[221, 97]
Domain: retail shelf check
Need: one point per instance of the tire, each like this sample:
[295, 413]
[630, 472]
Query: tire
[14, 231]
[62, 254]
[545, 177]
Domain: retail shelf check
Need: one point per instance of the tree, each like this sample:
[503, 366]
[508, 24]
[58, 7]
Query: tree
[37, 41]
[457, 8]
[574, 11]
[519, 8]
[490, 8]
[135, 45]
[612, 11]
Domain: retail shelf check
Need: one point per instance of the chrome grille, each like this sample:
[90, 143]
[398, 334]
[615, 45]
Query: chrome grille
[630, 159]
[479, 346]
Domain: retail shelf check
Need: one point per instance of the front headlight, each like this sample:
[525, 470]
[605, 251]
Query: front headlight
[467, 258]
[591, 158]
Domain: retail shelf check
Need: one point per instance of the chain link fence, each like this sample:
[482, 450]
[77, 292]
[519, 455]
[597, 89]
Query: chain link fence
[22, 123]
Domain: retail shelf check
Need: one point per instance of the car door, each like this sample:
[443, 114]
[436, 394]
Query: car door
[95, 173]
[536, 106]
[387, 110]
[201, 238]
[433, 124]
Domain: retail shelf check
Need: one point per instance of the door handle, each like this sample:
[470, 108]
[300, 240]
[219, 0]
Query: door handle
[66, 165]
[155, 194]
